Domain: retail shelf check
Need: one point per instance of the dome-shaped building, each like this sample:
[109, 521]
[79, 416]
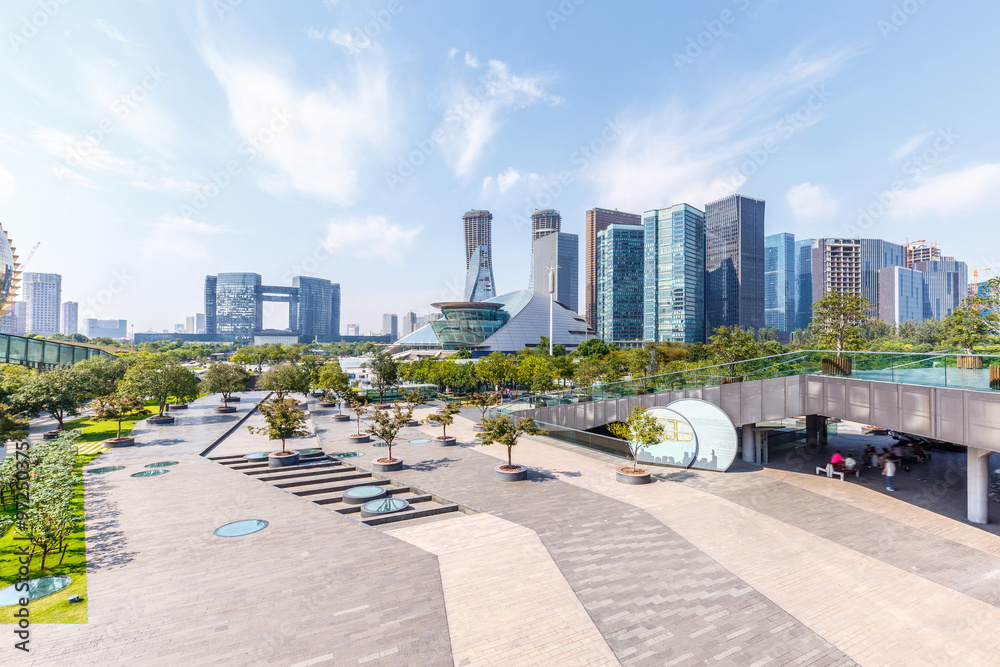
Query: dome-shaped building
[8, 273]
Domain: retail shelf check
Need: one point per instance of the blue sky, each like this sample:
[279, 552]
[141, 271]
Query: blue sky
[147, 144]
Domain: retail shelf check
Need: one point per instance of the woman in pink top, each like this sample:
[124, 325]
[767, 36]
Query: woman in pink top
[837, 458]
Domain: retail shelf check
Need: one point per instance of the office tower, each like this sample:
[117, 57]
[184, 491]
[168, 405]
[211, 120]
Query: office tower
[189, 324]
[877, 254]
[195, 324]
[803, 283]
[674, 274]
[598, 219]
[620, 283]
[433, 317]
[318, 307]
[390, 326]
[560, 251]
[734, 262]
[409, 324]
[479, 283]
[211, 282]
[921, 252]
[901, 295]
[70, 315]
[42, 296]
[20, 313]
[114, 329]
[543, 223]
[179, 328]
[779, 282]
[945, 286]
[353, 330]
[836, 266]
[233, 305]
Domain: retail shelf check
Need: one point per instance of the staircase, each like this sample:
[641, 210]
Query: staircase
[323, 479]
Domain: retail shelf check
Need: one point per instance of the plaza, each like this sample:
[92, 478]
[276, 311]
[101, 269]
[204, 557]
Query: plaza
[759, 565]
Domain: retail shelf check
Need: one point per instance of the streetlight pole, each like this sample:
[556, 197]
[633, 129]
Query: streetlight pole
[552, 296]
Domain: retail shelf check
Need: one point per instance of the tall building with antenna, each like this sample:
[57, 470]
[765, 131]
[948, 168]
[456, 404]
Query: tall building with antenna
[479, 282]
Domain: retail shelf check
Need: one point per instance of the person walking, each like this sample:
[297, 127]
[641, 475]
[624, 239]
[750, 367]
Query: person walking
[888, 471]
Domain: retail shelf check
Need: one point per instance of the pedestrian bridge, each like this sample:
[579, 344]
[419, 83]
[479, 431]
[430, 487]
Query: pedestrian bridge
[924, 395]
[40, 353]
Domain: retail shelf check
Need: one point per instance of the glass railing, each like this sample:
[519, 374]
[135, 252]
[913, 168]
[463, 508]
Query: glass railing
[933, 369]
[40, 353]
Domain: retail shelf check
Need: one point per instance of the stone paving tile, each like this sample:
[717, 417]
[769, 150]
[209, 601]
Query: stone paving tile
[507, 601]
[163, 590]
[648, 590]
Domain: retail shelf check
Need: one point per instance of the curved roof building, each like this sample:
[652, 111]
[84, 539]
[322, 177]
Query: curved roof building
[8, 273]
[506, 323]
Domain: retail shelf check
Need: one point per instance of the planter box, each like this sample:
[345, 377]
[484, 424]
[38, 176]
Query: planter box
[159, 421]
[478, 427]
[518, 475]
[234, 399]
[358, 439]
[342, 418]
[381, 465]
[289, 459]
[327, 404]
[317, 394]
[226, 409]
[413, 422]
[177, 406]
[442, 441]
[994, 377]
[969, 361]
[120, 442]
[624, 475]
[50, 435]
[843, 366]
[738, 378]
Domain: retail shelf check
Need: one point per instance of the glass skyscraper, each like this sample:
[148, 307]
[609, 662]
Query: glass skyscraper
[901, 294]
[877, 254]
[560, 250]
[620, 283]
[946, 284]
[779, 282]
[674, 275]
[803, 283]
[318, 307]
[734, 260]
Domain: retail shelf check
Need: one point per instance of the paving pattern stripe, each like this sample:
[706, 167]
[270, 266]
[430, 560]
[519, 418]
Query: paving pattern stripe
[504, 593]
[871, 610]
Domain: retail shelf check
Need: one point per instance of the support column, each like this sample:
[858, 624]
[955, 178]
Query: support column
[824, 429]
[978, 485]
[749, 443]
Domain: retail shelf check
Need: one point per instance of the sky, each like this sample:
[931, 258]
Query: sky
[146, 144]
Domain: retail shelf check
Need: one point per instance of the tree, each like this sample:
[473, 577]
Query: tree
[731, 345]
[386, 424]
[484, 401]
[12, 379]
[283, 419]
[12, 427]
[119, 407]
[507, 431]
[158, 376]
[224, 378]
[100, 375]
[967, 327]
[593, 347]
[495, 370]
[537, 373]
[284, 379]
[640, 430]
[384, 373]
[251, 355]
[333, 381]
[837, 321]
[59, 392]
[358, 403]
[445, 419]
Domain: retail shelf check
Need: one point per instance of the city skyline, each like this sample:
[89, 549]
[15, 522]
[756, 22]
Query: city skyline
[192, 159]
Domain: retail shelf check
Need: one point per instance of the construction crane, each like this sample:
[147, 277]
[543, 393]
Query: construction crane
[30, 255]
[974, 285]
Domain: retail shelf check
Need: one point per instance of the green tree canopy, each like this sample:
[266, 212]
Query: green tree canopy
[507, 431]
[224, 378]
[283, 419]
[446, 418]
[837, 321]
[118, 407]
[158, 376]
[384, 373]
[386, 424]
[285, 378]
[60, 392]
[640, 430]
[731, 345]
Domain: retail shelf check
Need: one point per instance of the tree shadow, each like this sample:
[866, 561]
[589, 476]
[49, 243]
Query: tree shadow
[163, 442]
[106, 543]
[554, 474]
[434, 464]
[679, 476]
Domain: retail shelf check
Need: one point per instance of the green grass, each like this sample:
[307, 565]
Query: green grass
[54, 608]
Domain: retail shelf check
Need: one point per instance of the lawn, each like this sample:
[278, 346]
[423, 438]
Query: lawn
[55, 608]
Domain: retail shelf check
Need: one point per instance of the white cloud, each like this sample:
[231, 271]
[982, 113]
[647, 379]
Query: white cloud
[810, 202]
[352, 43]
[319, 137]
[369, 237]
[505, 180]
[452, 52]
[7, 184]
[472, 117]
[910, 145]
[180, 237]
[470, 60]
[696, 154]
[947, 194]
[108, 30]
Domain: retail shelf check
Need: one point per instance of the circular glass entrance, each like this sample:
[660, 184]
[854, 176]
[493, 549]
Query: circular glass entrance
[150, 473]
[162, 464]
[37, 588]
[240, 528]
[101, 471]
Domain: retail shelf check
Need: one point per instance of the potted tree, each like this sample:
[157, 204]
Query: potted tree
[445, 419]
[224, 378]
[118, 407]
[283, 419]
[333, 382]
[973, 323]
[411, 399]
[507, 431]
[384, 374]
[731, 345]
[640, 430]
[157, 376]
[836, 325]
[358, 403]
[385, 426]
[284, 379]
[484, 401]
[61, 392]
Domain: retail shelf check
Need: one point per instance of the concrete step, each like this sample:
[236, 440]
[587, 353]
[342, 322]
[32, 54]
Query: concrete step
[264, 470]
[413, 499]
[337, 495]
[303, 474]
[319, 481]
[335, 488]
[409, 514]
